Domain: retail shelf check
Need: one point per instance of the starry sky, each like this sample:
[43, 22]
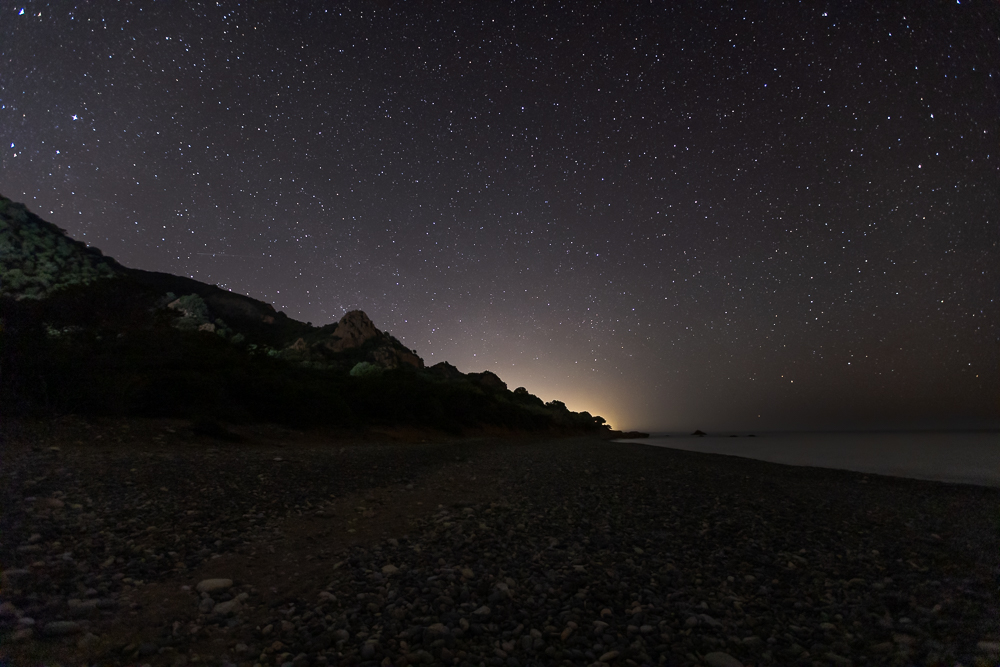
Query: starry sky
[677, 215]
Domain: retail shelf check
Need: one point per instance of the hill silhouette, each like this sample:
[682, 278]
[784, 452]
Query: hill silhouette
[82, 334]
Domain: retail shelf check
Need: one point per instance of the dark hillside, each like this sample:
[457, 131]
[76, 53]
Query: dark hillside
[79, 333]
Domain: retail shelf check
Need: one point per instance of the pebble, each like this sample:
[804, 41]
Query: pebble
[213, 585]
[993, 648]
[226, 608]
[562, 567]
[720, 659]
[61, 628]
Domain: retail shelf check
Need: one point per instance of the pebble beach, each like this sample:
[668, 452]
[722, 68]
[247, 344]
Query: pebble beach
[144, 543]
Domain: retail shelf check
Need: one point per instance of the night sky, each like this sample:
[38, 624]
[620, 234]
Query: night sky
[675, 215]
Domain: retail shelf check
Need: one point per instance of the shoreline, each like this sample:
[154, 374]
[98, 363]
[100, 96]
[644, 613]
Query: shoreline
[481, 551]
[950, 457]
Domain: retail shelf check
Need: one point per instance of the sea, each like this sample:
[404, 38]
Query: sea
[964, 457]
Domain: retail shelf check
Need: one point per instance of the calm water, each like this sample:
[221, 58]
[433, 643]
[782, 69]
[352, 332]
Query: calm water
[969, 458]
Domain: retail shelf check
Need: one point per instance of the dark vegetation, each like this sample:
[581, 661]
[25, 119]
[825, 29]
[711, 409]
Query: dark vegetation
[81, 334]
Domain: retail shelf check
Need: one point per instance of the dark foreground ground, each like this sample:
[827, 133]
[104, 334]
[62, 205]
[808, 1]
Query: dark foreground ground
[385, 550]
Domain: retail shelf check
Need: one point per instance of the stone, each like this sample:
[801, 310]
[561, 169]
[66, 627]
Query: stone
[212, 585]
[468, 573]
[226, 608]
[61, 628]
[993, 648]
[709, 621]
[609, 656]
[88, 640]
[482, 611]
[389, 569]
[78, 608]
[720, 659]
[7, 610]
[206, 605]
[368, 650]
[883, 648]
[21, 634]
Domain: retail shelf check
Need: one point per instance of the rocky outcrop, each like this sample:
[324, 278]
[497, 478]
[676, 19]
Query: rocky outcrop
[489, 380]
[446, 371]
[394, 357]
[353, 330]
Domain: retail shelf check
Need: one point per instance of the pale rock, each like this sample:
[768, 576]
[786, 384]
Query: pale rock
[226, 608]
[212, 585]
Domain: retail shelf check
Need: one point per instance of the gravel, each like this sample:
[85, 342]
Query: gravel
[164, 548]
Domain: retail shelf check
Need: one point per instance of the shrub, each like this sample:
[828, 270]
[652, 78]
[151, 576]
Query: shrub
[365, 369]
